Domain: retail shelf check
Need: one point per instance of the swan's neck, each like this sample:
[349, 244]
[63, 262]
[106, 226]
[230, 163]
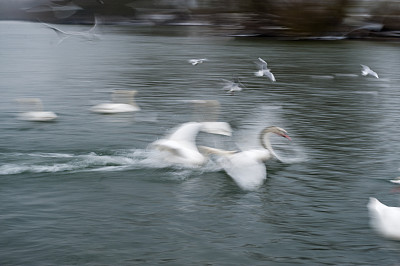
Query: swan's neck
[265, 142]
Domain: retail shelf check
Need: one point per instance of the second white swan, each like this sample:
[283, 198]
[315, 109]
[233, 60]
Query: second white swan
[247, 168]
[384, 219]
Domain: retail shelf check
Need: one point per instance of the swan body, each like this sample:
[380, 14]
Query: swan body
[197, 61]
[368, 71]
[247, 168]
[395, 181]
[264, 71]
[180, 146]
[116, 106]
[384, 219]
[113, 108]
[37, 114]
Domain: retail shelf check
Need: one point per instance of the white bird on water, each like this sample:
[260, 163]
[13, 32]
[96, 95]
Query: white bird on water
[384, 219]
[180, 146]
[264, 71]
[118, 105]
[35, 112]
[197, 61]
[368, 71]
[247, 167]
[396, 180]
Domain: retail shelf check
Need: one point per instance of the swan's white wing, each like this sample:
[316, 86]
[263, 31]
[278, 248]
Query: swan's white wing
[248, 173]
[176, 148]
[180, 152]
[186, 132]
[384, 219]
[221, 128]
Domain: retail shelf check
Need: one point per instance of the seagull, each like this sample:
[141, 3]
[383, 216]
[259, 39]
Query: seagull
[264, 71]
[232, 86]
[197, 61]
[88, 35]
[367, 71]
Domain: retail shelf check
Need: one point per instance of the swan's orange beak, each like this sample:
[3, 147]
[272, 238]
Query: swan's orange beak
[286, 136]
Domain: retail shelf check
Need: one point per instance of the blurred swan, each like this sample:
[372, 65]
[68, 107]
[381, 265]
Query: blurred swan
[232, 86]
[180, 146]
[264, 71]
[247, 168]
[118, 105]
[384, 219]
[35, 113]
[88, 35]
[197, 61]
[367, 71]
[396, 180]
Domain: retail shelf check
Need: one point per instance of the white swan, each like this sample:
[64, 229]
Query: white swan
[37, 114]
[197, 61]
[264, 71]
[395, 181]
[180, 146]
[247, 168]
[117, 106]
[368, 71]
[384, 219]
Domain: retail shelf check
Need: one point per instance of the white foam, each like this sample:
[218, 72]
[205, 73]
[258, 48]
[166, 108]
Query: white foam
[117, 161]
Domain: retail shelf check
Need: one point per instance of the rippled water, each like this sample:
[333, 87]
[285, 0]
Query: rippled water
[86, 189]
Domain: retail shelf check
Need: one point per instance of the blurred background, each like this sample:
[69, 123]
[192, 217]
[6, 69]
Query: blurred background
[273, 18]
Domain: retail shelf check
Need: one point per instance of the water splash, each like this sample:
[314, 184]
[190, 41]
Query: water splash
[120, 160]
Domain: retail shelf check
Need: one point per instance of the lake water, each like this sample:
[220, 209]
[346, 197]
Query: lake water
[87, 190]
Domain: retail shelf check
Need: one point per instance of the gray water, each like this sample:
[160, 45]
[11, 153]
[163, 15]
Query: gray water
[87, 190]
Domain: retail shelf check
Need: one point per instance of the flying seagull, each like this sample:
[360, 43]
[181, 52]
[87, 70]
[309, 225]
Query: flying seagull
[197, 61]
[264, 71]
[232, 86]
[367, 71]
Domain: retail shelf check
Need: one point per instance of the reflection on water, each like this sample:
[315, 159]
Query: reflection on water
[87, 189]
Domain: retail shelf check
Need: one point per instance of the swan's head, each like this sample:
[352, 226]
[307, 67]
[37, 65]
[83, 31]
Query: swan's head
[276, 130]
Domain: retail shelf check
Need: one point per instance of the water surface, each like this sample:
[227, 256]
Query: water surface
[87, 190]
